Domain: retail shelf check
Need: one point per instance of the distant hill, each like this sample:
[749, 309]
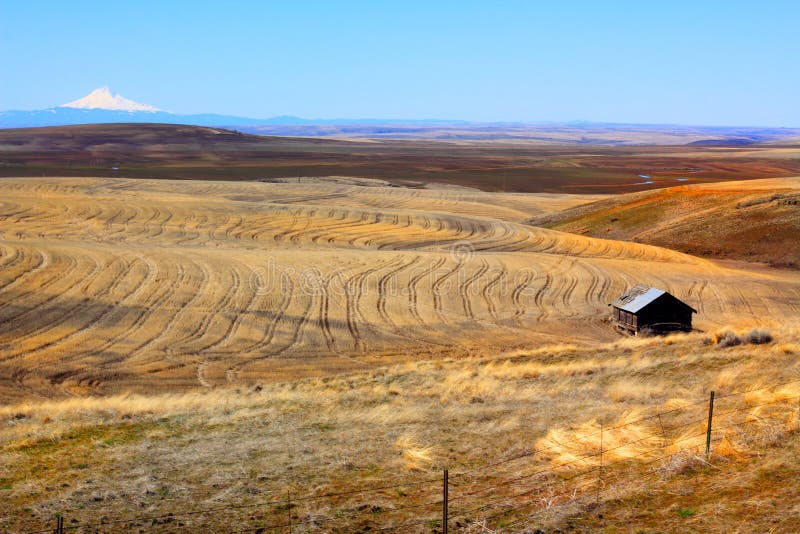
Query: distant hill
[756, 220]
[446, 130]
[137, 150]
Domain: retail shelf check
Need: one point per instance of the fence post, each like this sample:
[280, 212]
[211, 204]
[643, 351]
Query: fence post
[59, 525]
[445, 488]
[600, 468]
[708, 430]
[289, 509]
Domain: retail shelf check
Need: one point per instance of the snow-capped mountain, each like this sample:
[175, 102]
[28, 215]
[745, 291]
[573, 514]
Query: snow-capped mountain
[101, 98]
[102, 106]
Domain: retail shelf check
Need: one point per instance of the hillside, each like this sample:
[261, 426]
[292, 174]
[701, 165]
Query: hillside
[756, 221]
[194, 354]
[113, 285]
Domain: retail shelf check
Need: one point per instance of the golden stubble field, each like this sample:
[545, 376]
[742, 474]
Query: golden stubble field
[114, 285]
[186, 355]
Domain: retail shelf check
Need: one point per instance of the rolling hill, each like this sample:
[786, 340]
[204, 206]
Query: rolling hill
[113, 285]
[194, 354]
[192, 152]
[755, 221]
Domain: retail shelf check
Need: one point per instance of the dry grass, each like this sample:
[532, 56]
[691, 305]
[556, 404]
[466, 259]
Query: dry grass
[152, 454]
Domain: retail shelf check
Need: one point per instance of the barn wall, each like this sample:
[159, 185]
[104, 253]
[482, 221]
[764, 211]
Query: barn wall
[666, 309]
[665, 312]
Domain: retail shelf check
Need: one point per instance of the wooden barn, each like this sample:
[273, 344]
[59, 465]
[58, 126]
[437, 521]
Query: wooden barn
[647, 310]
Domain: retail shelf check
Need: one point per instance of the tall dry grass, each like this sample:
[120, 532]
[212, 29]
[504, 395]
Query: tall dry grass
[400, 423]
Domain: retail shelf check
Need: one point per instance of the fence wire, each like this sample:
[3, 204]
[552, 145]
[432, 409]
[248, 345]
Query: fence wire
[497, 506]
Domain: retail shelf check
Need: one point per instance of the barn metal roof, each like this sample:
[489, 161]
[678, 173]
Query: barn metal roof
[637, 298]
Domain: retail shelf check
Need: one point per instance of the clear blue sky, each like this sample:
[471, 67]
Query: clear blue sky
[715, 62]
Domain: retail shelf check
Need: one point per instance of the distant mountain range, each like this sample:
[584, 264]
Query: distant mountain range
[101, 106]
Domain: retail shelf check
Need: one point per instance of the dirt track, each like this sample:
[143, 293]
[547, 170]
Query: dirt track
[111, 285]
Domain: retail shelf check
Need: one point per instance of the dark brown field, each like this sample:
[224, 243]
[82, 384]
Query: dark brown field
[189, 152]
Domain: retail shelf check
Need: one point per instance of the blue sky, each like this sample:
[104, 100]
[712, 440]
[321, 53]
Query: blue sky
[726, 63]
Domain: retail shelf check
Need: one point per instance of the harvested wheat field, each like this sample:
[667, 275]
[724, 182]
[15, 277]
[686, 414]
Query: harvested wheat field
[203, 348]
[133, 285]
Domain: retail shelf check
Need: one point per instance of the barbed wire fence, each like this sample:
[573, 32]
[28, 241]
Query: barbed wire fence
[523, 489]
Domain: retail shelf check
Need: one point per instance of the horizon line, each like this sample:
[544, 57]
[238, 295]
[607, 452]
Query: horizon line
[365, 120]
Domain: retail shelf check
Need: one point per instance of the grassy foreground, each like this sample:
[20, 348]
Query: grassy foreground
[520, 434]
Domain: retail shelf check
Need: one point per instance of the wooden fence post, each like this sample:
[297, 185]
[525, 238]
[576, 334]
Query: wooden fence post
[289, 509]
[600, 468]
[59, 525]
[445, 488]
[708, 430]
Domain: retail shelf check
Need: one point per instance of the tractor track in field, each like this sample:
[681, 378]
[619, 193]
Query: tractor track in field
[287, 294]
[383, 283]
[330, 237]
[177, 316]
[60, 317]
[354, 290]
[145, 231]
[191, 236]
[17, 260]
[143, 313]
[235, 323]
[11, 260]
[701, 288]
[538, 298]
[566, 296]
[324, 312]
[488, 289]
[366, 236]
[43, 262]
[599, 285]
[436, 291]
[413, 300]
[162, 226]
[41, 287]
[464, 288]
[86, 329]
[516, 296]
[321, 231]
[300, 326]
[279, 237]
[295, 236]
[202, 327]
[230, 229]
[594, 282]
